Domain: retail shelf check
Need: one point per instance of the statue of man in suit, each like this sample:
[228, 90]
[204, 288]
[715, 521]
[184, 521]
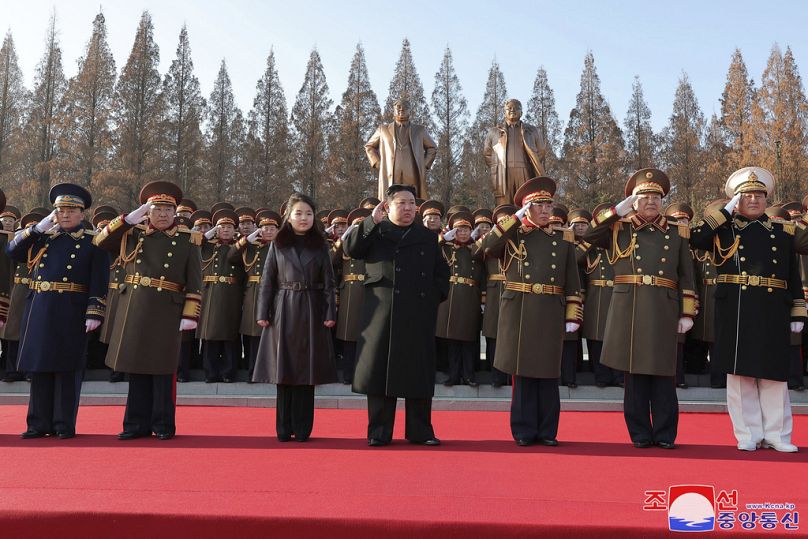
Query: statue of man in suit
[514, 153]
[402, 152]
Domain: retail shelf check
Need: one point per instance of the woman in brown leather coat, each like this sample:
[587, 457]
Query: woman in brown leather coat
[296, 309]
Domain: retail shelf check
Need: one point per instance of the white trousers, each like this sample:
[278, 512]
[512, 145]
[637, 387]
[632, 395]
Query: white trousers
[760, 409]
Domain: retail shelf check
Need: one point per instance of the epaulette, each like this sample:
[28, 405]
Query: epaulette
[569, 235]
[196, 236]
[789, 227]
[90, 232]
[141, 226]
[583, 245]
[684, 231]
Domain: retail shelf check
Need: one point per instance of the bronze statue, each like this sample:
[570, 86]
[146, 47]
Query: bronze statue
[514, 153]
[402, 151]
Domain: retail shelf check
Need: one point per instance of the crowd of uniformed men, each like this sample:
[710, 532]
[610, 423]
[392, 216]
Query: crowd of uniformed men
[655, 293]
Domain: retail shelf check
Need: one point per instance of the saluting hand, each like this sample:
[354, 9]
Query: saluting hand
[378, 213]
[45, 224]
[733, 202]
[475, 234]
[450, 235]
[136, 216]
[329, 230]
[520, 214]
[253, 238]
[347, 232]
[210, 234]
[625, 207]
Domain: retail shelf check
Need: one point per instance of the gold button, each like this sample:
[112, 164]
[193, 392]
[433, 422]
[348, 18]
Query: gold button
[165, 265]
[774, 261]
[64, 279]
[666, 247]
[554, 243]
[772, 236]
[173, 243]
[774, 248]
[170, 254]
[159, 289]
[743, 259]
[740, 247]
[667, 237]
[552, 279]
[45, 255]
[553, 266]
[145, 281]
[553, 254]
[521, 241]
[634, 235]
[69, 266]
[138, 261]
[71, 256]
[646, 279]
[638, 257]
[663, 260]
[770, 290]
[45, 286]
[78, 246]
[527, 263]
[135, 287]
[639, 270]
[661, 272]
[42, 265]
[743, 287]
[743, 273]
[527, 276]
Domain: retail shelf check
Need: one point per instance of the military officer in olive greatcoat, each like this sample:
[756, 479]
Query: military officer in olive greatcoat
[350, 273]
[19, 292]
[459, 314]
[158, 299]
[598, 280]
[758, 303]
[653, 300]
[681, 214]
[222, 294]
[541, 300]
[250, 253]
[495, 285]
[66, 301]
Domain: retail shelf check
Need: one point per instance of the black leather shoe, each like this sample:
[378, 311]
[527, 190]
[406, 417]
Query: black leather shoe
[227, 381]
[573, 385]
[550, 442]
[301, 438]
[473, 384]
[431, 441]
[164, 435]
[116, 377]
[666, 445]
[129, 435]
[375, 442]
[181, 379]
[64, 435]
[682, 386]
[496, 384]
[284, 438]
[523, 443]
[31, 433]
[642, 445]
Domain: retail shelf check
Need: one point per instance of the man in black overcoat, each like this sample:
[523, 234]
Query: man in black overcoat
[406, 280]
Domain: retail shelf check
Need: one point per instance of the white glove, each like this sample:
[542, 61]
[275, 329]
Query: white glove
[475, 234]
[329, 230]
[91, 325]
[2, 323]
[347, 232]
[378, 213]
[187, 325]
[137, 216]
[730, 207]
[571, 327]
[522, 211]
[796, 327]
[482, 308]
[253, 238]
[210, 234]
[450, 235]
[625, 207]
[685, 324]
[45, 224]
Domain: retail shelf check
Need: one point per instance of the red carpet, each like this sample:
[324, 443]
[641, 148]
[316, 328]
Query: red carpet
[225, 475]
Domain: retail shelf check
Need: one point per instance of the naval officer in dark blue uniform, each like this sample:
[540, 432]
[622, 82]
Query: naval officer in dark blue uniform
[66, 300]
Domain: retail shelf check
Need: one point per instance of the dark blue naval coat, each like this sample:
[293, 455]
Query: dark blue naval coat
[52, 334]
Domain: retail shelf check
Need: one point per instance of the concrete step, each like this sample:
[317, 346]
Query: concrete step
[483, 397]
